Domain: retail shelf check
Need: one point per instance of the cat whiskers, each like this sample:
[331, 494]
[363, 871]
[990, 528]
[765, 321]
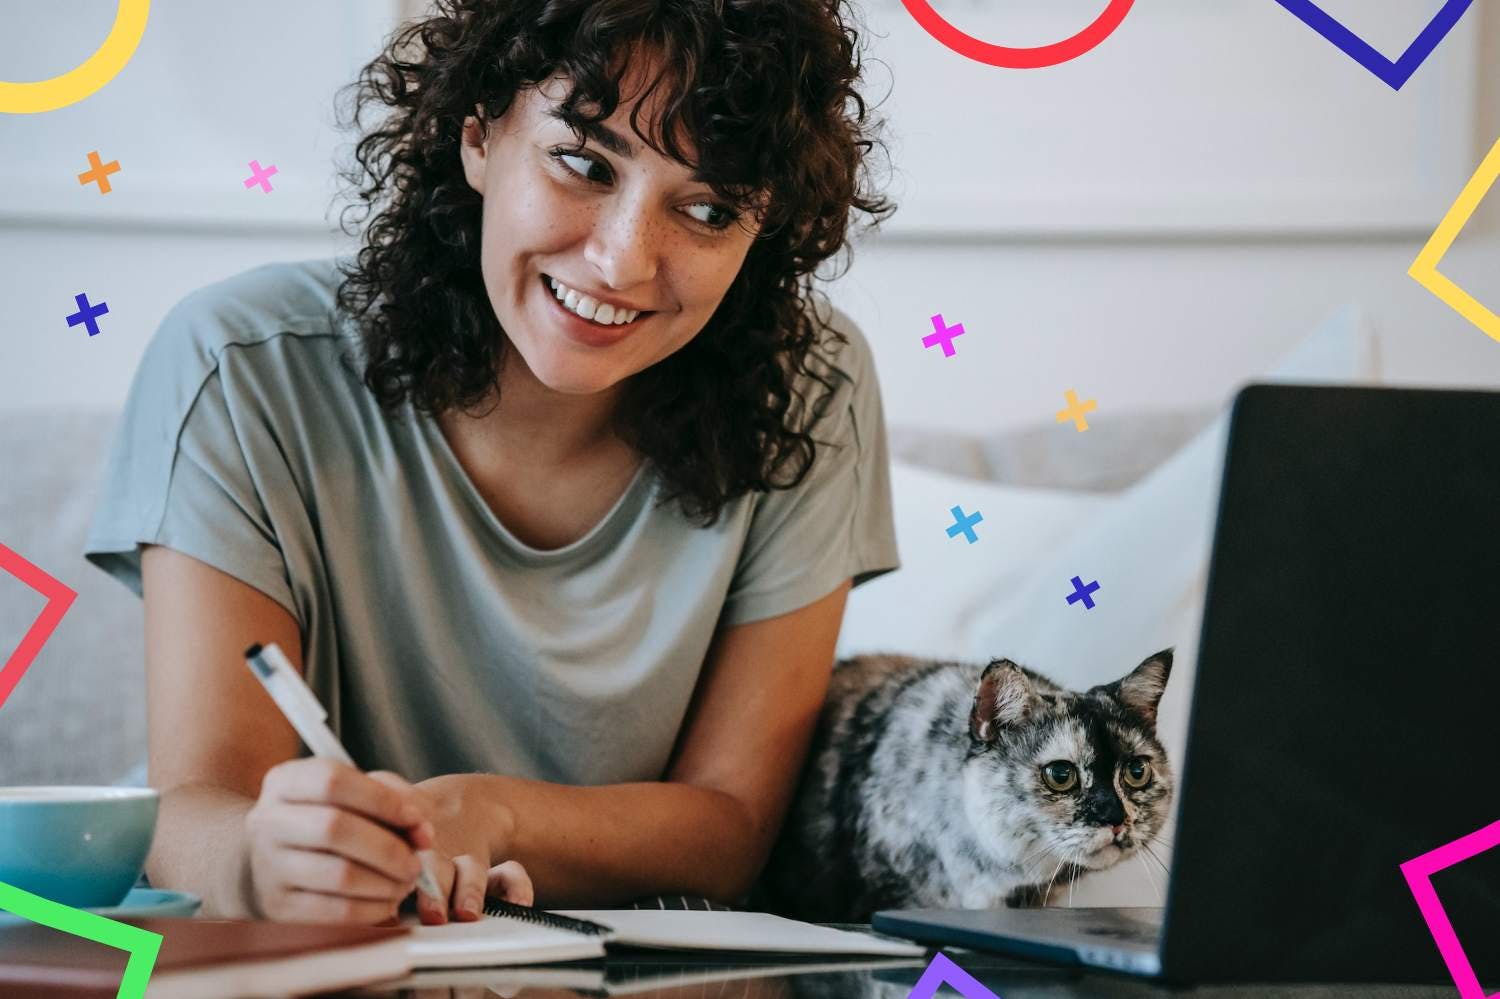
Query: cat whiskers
[1146, 847]
[1149, 876]
[1048, 890]
[1039, 851]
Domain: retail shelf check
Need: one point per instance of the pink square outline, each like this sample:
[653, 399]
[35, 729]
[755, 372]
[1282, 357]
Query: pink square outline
[59, 599]
[1419, 871]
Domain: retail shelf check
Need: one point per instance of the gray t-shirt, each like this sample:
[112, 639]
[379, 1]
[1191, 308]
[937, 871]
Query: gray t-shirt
[439, 642]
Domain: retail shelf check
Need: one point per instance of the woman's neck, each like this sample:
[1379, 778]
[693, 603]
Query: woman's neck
[534, 426]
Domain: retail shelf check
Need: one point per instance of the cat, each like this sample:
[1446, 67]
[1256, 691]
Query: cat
[947, 785]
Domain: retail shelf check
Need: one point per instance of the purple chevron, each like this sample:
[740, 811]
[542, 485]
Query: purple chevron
[942, 971]
[1394, 74]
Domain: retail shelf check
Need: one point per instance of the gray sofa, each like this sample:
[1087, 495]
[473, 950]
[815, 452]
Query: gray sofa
[78, 715]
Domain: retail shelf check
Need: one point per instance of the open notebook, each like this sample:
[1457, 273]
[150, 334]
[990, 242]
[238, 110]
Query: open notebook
[518, 934]
[634, 978]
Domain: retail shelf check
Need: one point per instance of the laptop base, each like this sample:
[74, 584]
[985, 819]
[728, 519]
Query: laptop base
[1119, 939]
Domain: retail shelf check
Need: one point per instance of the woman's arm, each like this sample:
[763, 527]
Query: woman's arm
[243, 823]
[709, 827]
[210, 740]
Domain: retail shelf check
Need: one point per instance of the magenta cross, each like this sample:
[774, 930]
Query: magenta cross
[259, 176]
[944, 334]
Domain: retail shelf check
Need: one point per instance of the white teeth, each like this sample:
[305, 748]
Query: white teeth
[588, 308]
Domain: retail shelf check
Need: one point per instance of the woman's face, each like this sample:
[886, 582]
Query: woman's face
[634, 229]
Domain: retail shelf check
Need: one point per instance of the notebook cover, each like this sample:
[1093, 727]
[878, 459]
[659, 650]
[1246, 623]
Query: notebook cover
[40, 955]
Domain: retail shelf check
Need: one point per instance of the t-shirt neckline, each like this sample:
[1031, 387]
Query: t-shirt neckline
[607, 527]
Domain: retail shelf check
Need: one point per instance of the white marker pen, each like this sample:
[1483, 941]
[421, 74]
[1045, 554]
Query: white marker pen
[292, 695]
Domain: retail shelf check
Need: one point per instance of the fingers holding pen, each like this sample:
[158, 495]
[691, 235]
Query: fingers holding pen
[327, 840]
[379, 795]
[345, 834]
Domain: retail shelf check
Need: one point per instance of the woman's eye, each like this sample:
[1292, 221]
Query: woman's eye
[1137, 772]
[584, 173]
[727, 215]
[1060, 775]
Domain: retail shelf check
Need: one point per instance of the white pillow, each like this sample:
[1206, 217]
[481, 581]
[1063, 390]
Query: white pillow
[1146, 546]
[925, 607]
[1149, 551]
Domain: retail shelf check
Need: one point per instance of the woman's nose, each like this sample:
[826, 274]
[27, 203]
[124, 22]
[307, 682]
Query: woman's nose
[625, 246]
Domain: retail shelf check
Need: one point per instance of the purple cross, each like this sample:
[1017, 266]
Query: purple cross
[259, 176]
[1081, 592]
[964, 525]
[87, 314]
[944, 334]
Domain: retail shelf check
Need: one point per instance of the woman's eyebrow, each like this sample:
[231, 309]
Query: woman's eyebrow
[599, 132]
[609, 138]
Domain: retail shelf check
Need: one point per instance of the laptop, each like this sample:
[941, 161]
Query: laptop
[1345, 714]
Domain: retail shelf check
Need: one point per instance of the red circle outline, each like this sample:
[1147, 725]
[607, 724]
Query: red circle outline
[1019, 58]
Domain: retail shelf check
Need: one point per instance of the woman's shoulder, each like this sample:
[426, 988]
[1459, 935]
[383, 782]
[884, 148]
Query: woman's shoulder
[263, 326]
[253, 306]
[847, 355]
[260, 338]
[839, 370]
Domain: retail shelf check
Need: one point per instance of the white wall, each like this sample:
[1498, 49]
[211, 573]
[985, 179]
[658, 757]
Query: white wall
[1131, 320]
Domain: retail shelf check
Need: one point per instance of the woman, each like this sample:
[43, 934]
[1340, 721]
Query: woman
[580, 581]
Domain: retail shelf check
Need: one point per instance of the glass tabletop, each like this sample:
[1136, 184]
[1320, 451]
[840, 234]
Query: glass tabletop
[682, 975]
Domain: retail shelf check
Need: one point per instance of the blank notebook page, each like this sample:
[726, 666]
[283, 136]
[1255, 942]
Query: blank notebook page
[491, 940]
[743, 931]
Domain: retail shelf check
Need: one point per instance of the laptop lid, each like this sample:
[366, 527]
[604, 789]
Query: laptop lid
[1345, 714]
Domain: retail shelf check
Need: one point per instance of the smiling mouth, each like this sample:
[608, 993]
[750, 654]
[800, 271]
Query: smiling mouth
[605, 327]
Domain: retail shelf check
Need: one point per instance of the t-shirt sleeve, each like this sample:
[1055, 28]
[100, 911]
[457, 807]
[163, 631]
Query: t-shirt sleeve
[188, 468]
[837, 523]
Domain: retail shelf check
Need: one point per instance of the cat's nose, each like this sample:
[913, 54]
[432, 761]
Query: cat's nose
[1117, 830]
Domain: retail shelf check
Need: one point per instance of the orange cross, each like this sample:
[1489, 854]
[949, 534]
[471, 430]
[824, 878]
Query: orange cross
[99, 173]
[1076, 410]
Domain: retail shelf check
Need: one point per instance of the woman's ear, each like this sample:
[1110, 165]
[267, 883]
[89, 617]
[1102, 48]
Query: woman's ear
[474, 152]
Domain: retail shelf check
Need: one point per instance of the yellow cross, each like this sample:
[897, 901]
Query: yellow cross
[1076, 410]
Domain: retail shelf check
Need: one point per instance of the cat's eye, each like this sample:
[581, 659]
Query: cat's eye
[1137, 772]
[1060, 775]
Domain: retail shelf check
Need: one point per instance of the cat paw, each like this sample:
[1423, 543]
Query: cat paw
[1025, 897]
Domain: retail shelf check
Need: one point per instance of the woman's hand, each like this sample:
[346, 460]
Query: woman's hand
[470, 832]
[326, 843]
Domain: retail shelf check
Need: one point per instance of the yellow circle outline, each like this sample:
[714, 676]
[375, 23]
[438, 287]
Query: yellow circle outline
[82, 80]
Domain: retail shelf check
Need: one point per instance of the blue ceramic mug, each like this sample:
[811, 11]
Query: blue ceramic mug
[81, 846]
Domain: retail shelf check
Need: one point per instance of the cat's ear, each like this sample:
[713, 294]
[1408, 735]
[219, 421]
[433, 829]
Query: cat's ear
[1004, 697]
[1141, 689]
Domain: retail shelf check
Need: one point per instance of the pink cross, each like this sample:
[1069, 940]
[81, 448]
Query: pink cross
[259, 176]
[944, 335]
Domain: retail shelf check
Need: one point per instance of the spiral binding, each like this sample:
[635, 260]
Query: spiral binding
[500, 907]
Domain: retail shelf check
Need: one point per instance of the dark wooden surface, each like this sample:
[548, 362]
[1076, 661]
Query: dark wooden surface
[1007, 977]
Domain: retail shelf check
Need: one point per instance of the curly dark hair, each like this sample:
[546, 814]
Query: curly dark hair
[762, 86]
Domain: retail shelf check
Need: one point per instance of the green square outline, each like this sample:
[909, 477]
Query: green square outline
[141, 945]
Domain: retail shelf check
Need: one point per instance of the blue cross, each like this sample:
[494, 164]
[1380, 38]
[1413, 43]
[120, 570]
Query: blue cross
[87, 314]
[1081, 592]
[964, 525]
